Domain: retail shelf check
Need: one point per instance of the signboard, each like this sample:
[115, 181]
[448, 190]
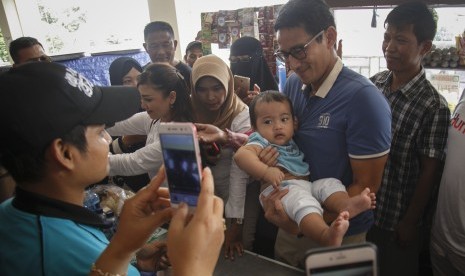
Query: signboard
[448, 86]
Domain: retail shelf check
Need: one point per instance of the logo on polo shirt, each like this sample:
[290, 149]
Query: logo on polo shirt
[77, 80]
[323, 121]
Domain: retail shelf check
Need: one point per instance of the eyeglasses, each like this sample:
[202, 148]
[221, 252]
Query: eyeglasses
[235, 59]
[299, 52]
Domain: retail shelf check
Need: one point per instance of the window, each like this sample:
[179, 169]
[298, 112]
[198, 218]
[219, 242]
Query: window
[4, 56]
[362, 45]
[73, 26]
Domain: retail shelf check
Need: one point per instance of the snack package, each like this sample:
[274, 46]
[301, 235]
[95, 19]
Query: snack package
[112, 197]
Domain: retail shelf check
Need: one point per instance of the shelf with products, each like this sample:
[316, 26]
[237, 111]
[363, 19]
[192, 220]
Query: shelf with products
[459, 68]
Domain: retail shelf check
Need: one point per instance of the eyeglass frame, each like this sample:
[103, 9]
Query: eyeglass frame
[236, 59]
[284, 56]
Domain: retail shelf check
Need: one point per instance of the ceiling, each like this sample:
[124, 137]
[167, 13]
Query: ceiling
[371, 3]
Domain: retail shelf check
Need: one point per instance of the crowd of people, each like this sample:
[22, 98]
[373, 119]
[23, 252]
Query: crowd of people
[333, 159]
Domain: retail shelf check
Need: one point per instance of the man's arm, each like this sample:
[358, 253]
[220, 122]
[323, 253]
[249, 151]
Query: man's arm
[366, 173]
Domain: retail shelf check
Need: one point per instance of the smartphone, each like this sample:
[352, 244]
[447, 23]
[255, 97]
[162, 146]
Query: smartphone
[243, 83]
[349, 260]
[181, 156]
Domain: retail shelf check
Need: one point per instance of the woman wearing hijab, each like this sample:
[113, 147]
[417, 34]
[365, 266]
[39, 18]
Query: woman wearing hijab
[246, 58]
[215, 103]
[124, 71]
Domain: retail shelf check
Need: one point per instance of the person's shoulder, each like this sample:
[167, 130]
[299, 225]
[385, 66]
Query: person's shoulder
[380, 76]
[353, 84]
[351, 78]
[182, 67]
[293, 85]
[430, 93]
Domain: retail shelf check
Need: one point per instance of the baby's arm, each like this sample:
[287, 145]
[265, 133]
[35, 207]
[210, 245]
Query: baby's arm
[247, 159]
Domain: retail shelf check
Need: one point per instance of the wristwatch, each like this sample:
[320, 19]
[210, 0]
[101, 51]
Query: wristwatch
[239, 221]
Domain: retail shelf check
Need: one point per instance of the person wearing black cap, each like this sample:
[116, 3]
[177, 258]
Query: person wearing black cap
[193, 52]
[54, 145]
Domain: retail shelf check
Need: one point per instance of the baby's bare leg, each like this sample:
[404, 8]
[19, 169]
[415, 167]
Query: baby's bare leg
[340, 201]
[314, 227]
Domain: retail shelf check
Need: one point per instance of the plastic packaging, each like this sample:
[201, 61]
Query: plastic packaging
[92, 201]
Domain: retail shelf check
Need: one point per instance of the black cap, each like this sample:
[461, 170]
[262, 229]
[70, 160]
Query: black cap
[42, 101]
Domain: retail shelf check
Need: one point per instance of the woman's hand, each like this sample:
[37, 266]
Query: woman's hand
[209, 133]
[194, 244]
[250, 95]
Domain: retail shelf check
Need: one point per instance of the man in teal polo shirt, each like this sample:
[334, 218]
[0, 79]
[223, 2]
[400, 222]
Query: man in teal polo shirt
[54, 144]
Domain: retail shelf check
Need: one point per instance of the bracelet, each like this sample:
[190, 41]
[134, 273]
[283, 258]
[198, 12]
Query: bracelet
[234, 141]
[116, 146]
[101, 273]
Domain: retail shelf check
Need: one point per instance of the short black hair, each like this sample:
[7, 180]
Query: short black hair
[417, 14]
[267, 97]
[194, 45]
[29, 164]
[22, 43]
[158, 26]
[313, 15]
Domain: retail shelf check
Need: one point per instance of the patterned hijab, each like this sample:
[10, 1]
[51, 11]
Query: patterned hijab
[213, 66]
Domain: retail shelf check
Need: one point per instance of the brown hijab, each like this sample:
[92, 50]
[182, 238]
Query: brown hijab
[213, 66]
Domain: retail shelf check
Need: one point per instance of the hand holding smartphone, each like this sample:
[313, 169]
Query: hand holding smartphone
[241, 86]
[181, 156]
[352, 260]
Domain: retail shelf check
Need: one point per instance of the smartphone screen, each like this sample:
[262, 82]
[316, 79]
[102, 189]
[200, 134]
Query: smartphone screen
[181, 167]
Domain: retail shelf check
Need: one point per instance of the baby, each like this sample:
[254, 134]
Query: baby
[272, 118]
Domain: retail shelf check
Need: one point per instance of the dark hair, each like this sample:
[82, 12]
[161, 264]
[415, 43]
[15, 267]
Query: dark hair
[416, 14]
[21, 43]
[267, 97]
[29, 164]
[158, 26]
[166, 78]
[313, 15]
[193, 45]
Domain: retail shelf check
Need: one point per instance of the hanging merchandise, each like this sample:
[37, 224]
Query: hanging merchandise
[225, 26]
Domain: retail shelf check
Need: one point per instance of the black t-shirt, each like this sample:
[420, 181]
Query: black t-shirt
[185, 71]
